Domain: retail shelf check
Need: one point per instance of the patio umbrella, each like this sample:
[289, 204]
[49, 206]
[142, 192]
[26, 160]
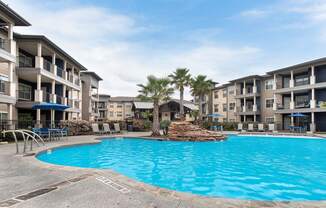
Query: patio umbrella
[297, 115]
[214, 115]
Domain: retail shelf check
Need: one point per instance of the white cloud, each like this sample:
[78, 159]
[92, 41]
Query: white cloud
[101, 40]
[254, 13]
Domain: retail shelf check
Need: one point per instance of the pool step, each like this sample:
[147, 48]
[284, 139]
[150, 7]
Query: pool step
[113, 184]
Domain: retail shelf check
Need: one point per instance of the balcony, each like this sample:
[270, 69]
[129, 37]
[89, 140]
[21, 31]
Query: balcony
[4, 87]
[5, 48]
[47, 65]
[60, 72]
[25, 61]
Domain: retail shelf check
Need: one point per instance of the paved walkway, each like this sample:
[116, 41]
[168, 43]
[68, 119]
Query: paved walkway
[29, 183]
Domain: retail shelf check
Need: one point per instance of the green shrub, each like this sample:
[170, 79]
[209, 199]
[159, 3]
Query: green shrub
[165, 126]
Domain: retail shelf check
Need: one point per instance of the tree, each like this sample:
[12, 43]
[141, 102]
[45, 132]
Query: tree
[181, 79]
[200, 87]
[155, 90]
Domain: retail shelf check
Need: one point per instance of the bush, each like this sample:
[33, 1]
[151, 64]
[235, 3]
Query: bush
[77, 127]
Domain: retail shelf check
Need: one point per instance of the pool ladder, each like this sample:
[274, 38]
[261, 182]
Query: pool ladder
[27, 135]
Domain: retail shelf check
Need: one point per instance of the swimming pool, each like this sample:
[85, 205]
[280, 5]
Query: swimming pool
[243, 167]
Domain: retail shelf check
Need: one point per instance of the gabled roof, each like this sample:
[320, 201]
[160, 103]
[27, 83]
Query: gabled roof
[47, 41]
[18, 20]
[143, 105]
[247, 77]
[123, 99]
[93, 74]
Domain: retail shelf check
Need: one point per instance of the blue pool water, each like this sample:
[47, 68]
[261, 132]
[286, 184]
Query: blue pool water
[244, 167]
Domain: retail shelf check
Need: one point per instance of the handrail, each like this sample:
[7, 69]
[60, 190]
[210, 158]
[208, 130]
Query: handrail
[26, 135]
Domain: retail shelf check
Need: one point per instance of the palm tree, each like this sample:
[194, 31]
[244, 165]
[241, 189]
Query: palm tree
[155, 90]
[181, 79]
[200, 87]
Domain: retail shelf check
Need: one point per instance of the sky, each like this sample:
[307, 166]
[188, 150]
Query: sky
[124, 41]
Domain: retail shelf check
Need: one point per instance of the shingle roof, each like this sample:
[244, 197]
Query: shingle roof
[19, 20]
[123, 99]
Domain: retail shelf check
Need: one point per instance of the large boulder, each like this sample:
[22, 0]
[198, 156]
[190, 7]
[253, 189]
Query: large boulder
[185, 131]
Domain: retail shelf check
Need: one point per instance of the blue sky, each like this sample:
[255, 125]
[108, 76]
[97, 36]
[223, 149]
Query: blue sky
[126, 40]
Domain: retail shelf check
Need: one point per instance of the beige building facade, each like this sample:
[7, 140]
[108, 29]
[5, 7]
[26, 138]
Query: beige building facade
[120, 108]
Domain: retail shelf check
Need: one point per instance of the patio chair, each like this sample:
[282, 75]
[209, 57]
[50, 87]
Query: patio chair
[117, 128]
[96, 130]
[250, 127]
[42, 132]
[271, 127]
[261, 127]
[240, 126]
[106, 128]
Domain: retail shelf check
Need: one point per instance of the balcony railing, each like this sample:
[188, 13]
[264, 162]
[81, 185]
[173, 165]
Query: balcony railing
[60, 72]
[25, 61]
[77, 81]
[24, 95]
[76, 102]
[4, 87]
[47, 65]
[4, 44]
[47, 97]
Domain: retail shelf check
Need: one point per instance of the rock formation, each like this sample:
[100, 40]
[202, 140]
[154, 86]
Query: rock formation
[185, 131]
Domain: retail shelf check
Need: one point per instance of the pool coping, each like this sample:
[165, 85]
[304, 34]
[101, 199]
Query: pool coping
[138, 185]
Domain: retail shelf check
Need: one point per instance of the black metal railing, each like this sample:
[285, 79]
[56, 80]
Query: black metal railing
[25, 61]
[47, 65]
[4, 87]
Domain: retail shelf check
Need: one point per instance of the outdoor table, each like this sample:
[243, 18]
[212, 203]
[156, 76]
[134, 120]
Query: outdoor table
[55, 133]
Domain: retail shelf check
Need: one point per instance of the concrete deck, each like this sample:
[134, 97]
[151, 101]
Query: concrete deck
[29, 183]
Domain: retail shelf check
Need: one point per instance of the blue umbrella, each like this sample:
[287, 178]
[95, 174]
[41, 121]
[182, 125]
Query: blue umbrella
[50, 106]
[214, 115]
[297, 115]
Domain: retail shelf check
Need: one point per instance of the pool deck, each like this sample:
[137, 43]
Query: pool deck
[29, 183]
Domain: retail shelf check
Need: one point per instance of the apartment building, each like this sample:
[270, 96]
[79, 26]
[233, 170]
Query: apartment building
[8, 20]
[275, 96]
[103, 105]
[46, 74]
[90, 95]
[39, 82]
[120, 108]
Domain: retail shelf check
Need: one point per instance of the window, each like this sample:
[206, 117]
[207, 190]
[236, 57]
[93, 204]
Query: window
[111, 106]
[3, 116]
[224, 93]
[119, 106]
[269, 103]
[231, 106]
[231, 92]
[301, 80]
[302, 101]
[216, 108]
[225, 120]
[216, 94]
[111, 113]
[24, 92]
[225, 107]
[270, 120]
[269, 84]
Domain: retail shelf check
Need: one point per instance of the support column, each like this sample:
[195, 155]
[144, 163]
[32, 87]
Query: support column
[39, 58]
[38, 118]
[244, 91]
[12, 85]
[11, 44]
[274, 102]
[11, 124]
[313, 99]
[254, 90]
[53, 95]
[292, 101]
[313, 124]
[38, 92]
[292, 79]
[255, 104]
[244, 105]
[255, 118]
[54, 66]
[52, 118]
[275, 82]
[312, 77]
[65, 70]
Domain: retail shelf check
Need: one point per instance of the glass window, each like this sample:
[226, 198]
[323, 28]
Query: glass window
[111, 113]
[225, 107]
[24, 92]
[302, 100]
[231, 92]
[232, 106]
[224, 93]
[216, 94]
[270, 120]
[269, 103]
[216, 108]
[301, 80]
[269, 84]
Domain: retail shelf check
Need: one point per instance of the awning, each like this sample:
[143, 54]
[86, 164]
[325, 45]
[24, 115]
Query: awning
[50, 106]
[214, 115]
[144, 105]
[297, 115]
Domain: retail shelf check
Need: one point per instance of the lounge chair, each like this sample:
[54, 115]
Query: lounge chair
[250, 127]
[106, 128]
[96, 130]
[261, 127]
[240, 126]
[116, 128]
[271, 127]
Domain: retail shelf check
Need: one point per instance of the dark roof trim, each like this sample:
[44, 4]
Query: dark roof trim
[93, 74]
[247, 77]
[50, 43]
[304, 64]
[19, 20]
